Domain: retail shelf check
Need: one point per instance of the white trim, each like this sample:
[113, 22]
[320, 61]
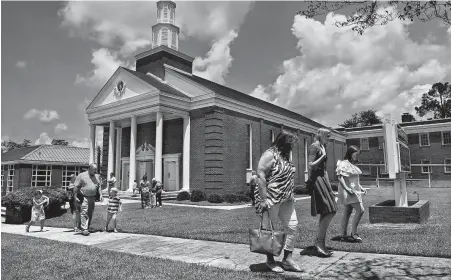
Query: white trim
[65, 174]
[10, 178]
[176, 69]
[362, 148]
[424, 128]
[444, 167]
[186, 152]
[35, 168]
[443, 138]
[428, 167]
[39, 162]
[3, 174]
[365, 133]
[429, 140]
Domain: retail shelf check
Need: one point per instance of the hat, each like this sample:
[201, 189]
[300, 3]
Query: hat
[114, 190]
[39, 191]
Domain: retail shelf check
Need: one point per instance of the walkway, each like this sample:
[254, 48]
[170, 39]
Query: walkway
[342, 265]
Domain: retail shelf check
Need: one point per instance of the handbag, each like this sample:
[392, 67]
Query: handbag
[268, 242]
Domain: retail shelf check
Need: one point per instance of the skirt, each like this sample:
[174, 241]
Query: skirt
[322, 196]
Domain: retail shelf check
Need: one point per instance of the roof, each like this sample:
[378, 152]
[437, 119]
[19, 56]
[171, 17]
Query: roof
[246, 98]
[48, 153]
[155, 83]
[404, 124]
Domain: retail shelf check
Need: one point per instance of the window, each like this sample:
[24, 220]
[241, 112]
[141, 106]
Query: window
[381, 142]
[67, 172]
[41, 175]
[448, 168]
[164, 36]
[3, 175]
[424, 139]
[446, 137]
[382, 169]
[425, 169]
[165, 13]
[248, 146]
[10, 178]
[364, 144]
[174, 40]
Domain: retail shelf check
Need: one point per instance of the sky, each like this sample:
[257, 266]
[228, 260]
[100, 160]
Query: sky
[56, 56]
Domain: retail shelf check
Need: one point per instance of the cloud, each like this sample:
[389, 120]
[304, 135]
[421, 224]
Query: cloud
[339, 72]
[21, 64]
[215, 66]
[60, 128]
[43, 139]
[99, 136]
[45, 116]
[84, 143]
[124, 28]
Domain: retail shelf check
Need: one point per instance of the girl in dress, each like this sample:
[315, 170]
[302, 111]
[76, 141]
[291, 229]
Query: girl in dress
[37, 211]
[350, 193]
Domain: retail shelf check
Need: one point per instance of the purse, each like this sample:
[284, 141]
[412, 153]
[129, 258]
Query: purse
[268, 242]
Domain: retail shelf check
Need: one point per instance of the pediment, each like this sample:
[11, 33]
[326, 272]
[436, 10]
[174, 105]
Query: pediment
[122, 85]
[145, 151]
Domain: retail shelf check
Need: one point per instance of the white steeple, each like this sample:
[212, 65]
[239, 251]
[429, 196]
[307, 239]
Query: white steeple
[165, 32]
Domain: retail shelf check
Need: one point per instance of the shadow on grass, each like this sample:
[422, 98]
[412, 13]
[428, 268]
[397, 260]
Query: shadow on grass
[386, 268]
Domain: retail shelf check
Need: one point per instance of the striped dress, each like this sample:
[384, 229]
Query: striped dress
[279, 182]
[322, 196]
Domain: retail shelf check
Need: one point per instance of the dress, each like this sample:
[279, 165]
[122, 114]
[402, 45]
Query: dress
[350, 174]
[37, 212]
[322, 195]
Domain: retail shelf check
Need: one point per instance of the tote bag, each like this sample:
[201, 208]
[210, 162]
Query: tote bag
[264, 241]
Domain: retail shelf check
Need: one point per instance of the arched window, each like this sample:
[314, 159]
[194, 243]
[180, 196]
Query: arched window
[174, 40]
[164, 36]
[165, 13]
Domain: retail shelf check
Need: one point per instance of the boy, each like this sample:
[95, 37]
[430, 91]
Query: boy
[114, 205]
[159, 187]
[37, 210]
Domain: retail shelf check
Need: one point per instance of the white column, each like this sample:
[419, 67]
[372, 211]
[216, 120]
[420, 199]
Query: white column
[92, 144]
[111, 149]
[186, 152]
[306, 175]
[132, 154]
[159, 147]
[117, 171]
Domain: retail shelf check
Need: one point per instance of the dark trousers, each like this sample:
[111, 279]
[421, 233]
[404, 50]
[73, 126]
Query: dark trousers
[253, 194]
[159, 198]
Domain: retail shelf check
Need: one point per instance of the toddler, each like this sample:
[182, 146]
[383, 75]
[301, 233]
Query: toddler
[37, 211]
[114, 205]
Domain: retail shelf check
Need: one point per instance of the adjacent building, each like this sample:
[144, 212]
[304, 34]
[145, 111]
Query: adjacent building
[41, 166]
[163, 121]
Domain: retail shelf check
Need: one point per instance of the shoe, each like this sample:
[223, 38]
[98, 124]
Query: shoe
[115, 230]
[86, 233]
[291, 267]
[77, 230]
[321, 253]
[355, 238]
[274, 267]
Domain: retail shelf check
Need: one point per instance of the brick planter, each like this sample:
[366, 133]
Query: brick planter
[387, 212]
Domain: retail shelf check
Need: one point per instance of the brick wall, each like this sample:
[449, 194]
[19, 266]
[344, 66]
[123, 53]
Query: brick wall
[197, 149]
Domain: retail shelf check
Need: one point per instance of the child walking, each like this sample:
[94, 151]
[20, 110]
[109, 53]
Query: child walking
[114, 206]
[37, 211]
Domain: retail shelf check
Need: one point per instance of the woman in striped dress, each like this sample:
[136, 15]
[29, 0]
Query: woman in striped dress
[323, 200]
[275, 195]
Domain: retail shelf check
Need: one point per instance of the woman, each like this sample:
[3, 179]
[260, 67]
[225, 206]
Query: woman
[350, 193]
[275, 195]
[322, 196]
[145, 196]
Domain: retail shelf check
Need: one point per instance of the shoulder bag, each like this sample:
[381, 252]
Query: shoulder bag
[268, 242]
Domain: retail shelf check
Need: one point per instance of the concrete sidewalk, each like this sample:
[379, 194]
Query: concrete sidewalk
[342, 265]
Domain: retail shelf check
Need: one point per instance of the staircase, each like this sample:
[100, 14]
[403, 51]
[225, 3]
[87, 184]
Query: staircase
[128, 195]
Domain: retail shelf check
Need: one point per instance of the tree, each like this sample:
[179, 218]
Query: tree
[11, 145]
[367, 14]
[363, 118]
[437, 101]
[60, 142]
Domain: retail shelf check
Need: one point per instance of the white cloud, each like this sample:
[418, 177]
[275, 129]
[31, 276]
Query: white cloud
[339, 72]
[21, 64]
[59, 128]
[123, 28]
[215, 66]
[84, 143]
[99, 136]
[43, 139]
[45, 116]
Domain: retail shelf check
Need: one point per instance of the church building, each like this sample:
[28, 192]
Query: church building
[163, 121]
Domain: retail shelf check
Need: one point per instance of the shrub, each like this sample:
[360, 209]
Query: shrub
[19, 203]
[300, 190]
[183, 195]
[214, 198]
[197, 195]
[244, 198]
[230, 198]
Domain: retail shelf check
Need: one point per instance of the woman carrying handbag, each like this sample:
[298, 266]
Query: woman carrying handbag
[275, 195]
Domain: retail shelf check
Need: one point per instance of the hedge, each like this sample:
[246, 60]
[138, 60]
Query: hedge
[18, 203]
[230, 198]
[183, 195]
[198, 195]
[214, 198]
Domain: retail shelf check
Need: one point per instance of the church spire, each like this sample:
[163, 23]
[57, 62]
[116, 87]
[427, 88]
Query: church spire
[165, 32]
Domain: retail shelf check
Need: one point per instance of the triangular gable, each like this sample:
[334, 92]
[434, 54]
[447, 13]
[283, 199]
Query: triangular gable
[145, 151]
[113, 91]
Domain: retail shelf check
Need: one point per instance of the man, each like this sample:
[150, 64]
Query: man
[74, 206]
[86, 184]
[111, 182]
[253, 184]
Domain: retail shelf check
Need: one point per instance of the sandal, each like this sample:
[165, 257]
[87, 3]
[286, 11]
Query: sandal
[274, 267]
[291, 267]
[355, 238]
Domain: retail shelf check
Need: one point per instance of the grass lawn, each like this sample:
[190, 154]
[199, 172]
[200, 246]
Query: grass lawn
[430, 239]
[205, 203]
[40, 259]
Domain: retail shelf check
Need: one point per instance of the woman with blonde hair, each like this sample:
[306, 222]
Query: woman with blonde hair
[322, 196]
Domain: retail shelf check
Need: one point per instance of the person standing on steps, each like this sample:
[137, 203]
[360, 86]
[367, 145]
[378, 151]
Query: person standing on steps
[350, 193]
[87, 183]
[322, 196]
[275, 195]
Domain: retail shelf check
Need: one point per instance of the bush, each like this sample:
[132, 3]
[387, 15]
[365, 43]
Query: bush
[214, 198]
[230, 198]
[300, 190]
[244, 198]
[197, 195]
[19, 203]
[183, 195]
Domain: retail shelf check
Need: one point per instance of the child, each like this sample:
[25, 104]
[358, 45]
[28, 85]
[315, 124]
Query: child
[114, 205]
[159, 187]
[74, 206]
[153, 193]
[37, 211]
[145, 196]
